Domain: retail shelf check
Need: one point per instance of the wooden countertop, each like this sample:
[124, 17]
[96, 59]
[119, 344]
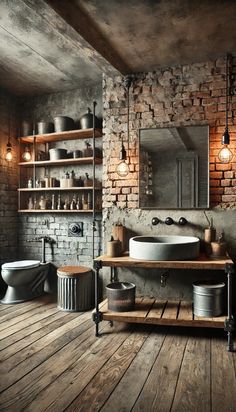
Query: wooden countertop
[203, 262]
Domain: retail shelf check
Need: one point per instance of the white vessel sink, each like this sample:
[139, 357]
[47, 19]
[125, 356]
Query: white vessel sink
[164, 247]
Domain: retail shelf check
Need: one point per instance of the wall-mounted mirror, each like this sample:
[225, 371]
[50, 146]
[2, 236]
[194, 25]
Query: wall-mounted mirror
[174, 168]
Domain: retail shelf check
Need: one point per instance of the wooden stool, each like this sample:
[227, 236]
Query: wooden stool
[75, 288]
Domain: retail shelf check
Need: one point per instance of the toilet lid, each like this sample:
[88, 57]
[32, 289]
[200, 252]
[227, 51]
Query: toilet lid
[21, 264]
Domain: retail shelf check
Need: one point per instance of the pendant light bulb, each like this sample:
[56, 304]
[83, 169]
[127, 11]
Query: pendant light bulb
[122, 169]
[26, 156]
[9, 156]
[225, 155]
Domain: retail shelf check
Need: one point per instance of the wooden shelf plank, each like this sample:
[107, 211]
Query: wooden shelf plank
[61, 189]
[171, 310]
[158, 312]
[77, 161]
[56, 211]
[56, 137]
[203, 262]
[185, 311]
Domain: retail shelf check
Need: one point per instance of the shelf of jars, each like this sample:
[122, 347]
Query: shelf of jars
[70, 200]
[59, 136]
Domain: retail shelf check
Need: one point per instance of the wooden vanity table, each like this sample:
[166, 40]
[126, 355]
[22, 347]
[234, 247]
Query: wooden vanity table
[165, 312]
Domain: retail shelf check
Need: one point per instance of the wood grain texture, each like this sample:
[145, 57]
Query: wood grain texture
[109, 375]
[159, 388]
[201, 263]
[175, 313]
[56, 363]
[193, 386]
[223, 396]
[124, 395]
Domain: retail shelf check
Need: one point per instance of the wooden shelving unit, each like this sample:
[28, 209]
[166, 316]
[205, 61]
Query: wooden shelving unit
[50, 138]
[165, 312]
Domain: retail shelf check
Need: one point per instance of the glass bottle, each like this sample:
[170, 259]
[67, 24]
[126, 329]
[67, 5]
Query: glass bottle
[30, 203]
[53, 202]
[59, 202]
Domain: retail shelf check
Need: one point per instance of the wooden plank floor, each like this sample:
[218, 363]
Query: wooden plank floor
[51, 361]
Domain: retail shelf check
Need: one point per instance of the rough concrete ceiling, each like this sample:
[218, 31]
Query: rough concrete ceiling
[53, 45]
[148, 34]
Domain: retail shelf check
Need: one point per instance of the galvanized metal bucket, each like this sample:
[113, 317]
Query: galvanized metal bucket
[208, 298]
[121, 296]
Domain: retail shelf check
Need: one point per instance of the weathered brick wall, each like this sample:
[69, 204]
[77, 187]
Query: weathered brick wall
[187, 95]
[66, 250]
[8, 180]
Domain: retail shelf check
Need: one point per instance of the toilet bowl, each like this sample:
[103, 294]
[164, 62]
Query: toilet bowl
[25, 280]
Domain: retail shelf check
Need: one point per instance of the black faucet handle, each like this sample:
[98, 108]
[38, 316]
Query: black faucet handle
[155, 221]
[182, 221]
[169, 221]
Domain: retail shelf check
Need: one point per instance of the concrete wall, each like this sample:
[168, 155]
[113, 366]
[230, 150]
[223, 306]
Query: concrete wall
[66, 250]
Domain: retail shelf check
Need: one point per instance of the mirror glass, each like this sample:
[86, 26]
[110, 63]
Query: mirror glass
[174, 168]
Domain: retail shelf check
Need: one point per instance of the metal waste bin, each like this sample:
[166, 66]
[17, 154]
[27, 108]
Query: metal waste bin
[121, 296]
[75, 288]
[208, 298]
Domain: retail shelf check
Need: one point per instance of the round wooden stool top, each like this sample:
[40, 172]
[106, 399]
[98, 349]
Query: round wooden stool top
[72, 270]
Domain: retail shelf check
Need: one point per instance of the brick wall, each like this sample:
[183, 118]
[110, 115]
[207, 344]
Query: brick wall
[8, 180]
[184, 95]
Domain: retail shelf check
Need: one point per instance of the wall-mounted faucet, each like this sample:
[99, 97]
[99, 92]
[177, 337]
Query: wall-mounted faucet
[169, 221]
[43, 239]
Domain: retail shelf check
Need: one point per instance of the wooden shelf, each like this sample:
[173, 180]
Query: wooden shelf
[202, 262]
[61, 162]
[161, 312]
[56, 137]
[61, 189]
[56, 211]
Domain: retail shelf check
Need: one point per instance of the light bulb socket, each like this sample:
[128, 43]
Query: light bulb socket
[226, 137]
[122, 155]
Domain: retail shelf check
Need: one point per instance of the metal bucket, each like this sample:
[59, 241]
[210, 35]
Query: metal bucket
[208, 298]
[57, 154]
[45, 127]
[63, 123]
[121, 296]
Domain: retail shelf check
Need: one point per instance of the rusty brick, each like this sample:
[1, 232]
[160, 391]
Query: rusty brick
[216, 175]
[214, 182]
[217, 190]
[229, 175]
[229, 198]
[223, 167]
[230, 190]
[225, 182]
[126, 190]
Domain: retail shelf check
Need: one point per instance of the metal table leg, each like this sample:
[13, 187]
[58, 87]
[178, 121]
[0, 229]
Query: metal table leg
[230, 322]
[97, 315]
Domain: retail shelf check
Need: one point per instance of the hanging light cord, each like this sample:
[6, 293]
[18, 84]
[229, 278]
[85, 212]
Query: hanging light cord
[128, 118]
[227, 85]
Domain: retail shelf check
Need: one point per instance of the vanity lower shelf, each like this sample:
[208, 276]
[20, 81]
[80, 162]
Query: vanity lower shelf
[161, 312]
